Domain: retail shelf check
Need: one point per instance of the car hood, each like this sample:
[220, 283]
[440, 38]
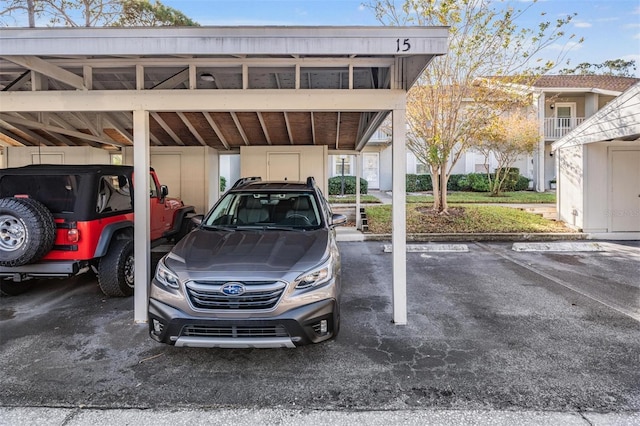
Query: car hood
[249, 250]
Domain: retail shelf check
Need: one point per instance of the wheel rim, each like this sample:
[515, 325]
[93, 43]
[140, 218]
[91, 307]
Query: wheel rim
[13, 233]
[129, 271]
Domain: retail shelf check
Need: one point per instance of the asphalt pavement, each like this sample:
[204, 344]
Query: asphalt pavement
[494, 336]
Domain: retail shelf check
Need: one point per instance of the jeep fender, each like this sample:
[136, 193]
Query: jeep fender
[109, 232]
[181, 214]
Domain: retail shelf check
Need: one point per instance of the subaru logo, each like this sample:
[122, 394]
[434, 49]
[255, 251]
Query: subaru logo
[233, 289]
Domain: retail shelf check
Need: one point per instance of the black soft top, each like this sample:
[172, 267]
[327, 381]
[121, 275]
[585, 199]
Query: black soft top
[69, 191]
[76, 169]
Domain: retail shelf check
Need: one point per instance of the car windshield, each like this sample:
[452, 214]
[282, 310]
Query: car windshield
[265, 210]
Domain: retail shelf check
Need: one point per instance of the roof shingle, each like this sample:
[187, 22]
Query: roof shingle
[604, 82]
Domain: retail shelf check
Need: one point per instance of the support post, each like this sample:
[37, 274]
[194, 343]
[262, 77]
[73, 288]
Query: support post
[540, 158]
[358, 173]
[142, 232]
[399, 222]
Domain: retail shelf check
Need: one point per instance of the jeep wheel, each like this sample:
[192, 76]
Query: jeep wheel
[27, 231]
[116, 269]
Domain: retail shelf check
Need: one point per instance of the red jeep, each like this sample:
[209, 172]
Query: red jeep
[58, 221]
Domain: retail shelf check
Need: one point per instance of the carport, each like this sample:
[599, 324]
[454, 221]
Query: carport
[221, 88]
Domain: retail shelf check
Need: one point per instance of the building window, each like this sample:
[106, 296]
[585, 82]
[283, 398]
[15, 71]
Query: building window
[421, 168]
[339, 164]
[116, 159]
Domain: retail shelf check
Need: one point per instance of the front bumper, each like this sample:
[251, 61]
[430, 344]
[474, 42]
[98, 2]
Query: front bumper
[299, 326]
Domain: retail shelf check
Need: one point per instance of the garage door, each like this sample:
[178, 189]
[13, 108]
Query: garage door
[625, 191]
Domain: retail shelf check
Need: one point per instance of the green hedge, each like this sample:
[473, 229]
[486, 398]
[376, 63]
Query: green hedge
[418, 183]
[223, 183]
[477, 182]
[335, 184]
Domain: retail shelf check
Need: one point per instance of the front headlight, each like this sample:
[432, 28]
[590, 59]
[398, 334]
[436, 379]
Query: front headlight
[165, 276]
[316, 276]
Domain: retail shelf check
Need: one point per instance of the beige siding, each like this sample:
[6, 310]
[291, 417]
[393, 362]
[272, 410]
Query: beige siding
[197, 183]
[22, 156]
[254, 161]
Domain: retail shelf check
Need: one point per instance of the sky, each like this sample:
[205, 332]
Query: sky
[611, 28]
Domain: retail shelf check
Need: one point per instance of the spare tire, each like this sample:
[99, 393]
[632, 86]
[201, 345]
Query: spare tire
[27, 231]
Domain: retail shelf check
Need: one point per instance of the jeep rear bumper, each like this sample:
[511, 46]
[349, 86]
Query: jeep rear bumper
[57, 269]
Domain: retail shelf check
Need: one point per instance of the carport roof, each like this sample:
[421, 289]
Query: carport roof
[223, 87]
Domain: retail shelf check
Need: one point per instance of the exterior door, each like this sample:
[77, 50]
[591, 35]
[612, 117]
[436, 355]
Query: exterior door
[371, 169]
[565, 117]
[624, 212]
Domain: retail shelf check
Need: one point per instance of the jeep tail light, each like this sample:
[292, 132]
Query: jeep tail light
[73, 235]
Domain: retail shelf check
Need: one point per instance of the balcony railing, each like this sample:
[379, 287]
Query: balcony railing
[555, 128]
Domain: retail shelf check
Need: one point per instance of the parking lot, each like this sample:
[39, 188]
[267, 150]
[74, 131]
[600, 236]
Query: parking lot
[489, 328]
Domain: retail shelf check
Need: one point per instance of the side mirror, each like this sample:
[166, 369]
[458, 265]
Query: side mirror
[338, 219]
[164, 191]
[197, 219]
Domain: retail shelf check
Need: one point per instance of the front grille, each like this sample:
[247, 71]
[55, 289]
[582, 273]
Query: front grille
[257, 295]
[234, 331]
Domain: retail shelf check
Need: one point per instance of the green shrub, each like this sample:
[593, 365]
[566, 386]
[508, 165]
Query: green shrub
[478, 182]
[511, 180]
[522, 184]
[335, 184]
[223, 183]
[418, 183]
[458, 183]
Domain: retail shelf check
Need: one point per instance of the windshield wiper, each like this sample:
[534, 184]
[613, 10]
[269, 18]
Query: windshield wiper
[281, 228]
[218, 228]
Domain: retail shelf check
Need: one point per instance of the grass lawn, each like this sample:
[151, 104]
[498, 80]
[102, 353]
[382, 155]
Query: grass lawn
[519, 197]
[462, 219]
[351, 199]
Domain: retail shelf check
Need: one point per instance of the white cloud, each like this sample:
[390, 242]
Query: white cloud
[582, 24]
[571, 45]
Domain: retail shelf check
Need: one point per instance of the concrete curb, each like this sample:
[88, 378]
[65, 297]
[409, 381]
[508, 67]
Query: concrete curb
[508, 237]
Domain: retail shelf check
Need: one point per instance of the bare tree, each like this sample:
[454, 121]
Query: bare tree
[93, 13]
[453, 100]
[10, 8]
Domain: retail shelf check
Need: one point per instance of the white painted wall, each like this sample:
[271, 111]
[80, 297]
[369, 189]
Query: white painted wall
[570, 185]
[19, 156]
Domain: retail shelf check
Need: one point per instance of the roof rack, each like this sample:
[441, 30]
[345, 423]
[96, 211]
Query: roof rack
[311, 182]
[246, 180]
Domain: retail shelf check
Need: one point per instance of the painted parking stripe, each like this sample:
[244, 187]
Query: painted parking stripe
[572, 246]
[431, 248]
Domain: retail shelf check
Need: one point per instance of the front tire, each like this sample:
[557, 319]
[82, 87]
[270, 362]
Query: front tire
[116, 269]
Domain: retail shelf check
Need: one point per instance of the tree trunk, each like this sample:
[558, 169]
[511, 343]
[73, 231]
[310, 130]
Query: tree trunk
[444, 207]
[435, 183]
[31, 12]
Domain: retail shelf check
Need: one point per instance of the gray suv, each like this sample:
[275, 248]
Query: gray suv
[261, 269]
